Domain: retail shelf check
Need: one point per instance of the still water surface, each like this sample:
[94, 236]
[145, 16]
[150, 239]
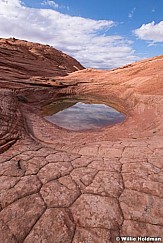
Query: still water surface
[78, 115]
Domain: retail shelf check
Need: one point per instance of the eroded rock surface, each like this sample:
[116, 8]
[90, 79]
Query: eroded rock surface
[81, 187]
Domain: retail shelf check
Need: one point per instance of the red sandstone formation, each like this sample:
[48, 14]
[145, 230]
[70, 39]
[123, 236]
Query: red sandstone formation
[26, 62]
[93, 186]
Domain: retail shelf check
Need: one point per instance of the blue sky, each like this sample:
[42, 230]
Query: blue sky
[98, 33]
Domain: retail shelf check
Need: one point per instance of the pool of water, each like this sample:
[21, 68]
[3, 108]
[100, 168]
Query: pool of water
[81, 114]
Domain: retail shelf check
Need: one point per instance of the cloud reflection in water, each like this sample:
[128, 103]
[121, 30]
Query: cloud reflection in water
[83, 116]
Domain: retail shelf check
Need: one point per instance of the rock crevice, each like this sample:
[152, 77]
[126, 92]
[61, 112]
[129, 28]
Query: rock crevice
[62, 186]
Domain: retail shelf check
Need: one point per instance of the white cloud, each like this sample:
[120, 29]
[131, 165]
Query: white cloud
[15, 3]
[84, 39]
[150, 32]
[130, 15]
[50, 3]
[53, 4]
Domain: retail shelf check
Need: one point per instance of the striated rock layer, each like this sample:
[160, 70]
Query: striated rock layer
[25, 62]
[63, 186]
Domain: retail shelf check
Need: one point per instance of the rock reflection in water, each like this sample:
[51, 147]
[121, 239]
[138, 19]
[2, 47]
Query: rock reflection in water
[81, 116]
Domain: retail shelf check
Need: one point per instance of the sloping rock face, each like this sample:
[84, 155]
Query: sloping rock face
[26, 62]
[93, 186]
[24, 65]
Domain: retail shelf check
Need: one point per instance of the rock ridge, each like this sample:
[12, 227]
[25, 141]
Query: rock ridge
[62, 186]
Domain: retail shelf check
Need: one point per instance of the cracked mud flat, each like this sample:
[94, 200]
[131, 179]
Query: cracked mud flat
[81, 187]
